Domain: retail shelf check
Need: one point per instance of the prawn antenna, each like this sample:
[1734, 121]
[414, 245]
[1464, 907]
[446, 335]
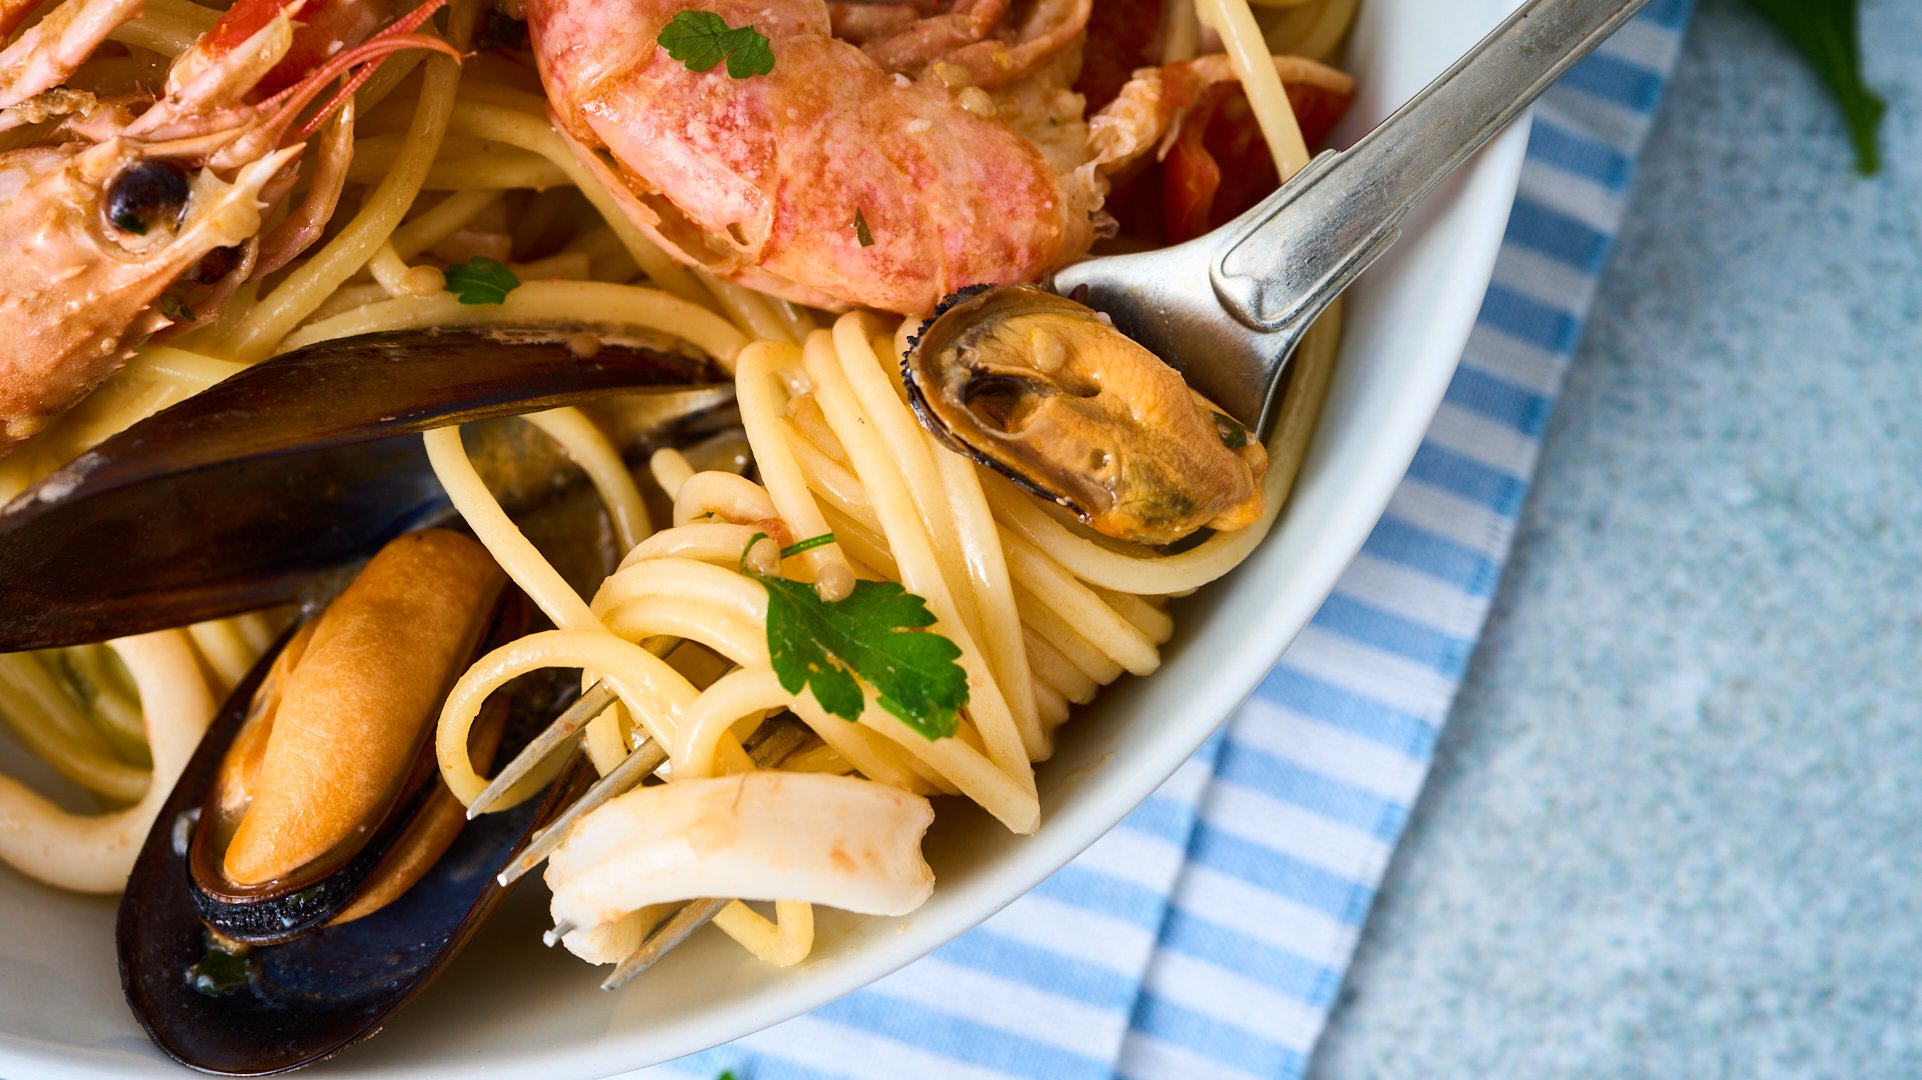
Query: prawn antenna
[367, 58]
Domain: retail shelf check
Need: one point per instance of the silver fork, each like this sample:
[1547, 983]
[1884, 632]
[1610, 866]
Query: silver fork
[1227, 309]
[770, 745]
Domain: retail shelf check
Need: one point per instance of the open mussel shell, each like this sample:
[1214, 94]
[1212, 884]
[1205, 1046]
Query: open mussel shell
[1048, 393]
[237, 497]
[304, 1000]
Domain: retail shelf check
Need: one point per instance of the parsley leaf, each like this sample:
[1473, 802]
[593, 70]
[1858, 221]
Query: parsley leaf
[876, 634]
[481, 280]
[862, 235]
[809, 544]
[1824, 31]
[701, 39]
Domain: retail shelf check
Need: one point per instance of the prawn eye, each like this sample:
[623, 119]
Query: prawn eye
[146, 194]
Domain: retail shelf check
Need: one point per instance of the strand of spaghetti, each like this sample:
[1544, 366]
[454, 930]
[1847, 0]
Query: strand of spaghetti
[603, 249]
[438, 222]
[750, 310]
[1153, 623]
[112, 702]
[93, 853]
[680, 601]
[1050, 626]
[1058, 672]
[308, 284]
[1058, 589]
[52, 727]
[1181, 32]
[654, 693]
[167, 27]
[907, 444]
[492, 112]
[718, 542]
[495, 169]
[401, 280]
[544, 585]
[1051, 705]
[980, 542]
[110, 409]
[1312, 30]
[589, 448]
[722, 495]
[1254, 65]
[827, 477]
[391, 74]
[564, 266]
[566, 303]
[1011, 801]
[226, 655]
[794, 319]
[783, 943]
[192, 372]
[875, 463]
[757, 384]
[375, 155]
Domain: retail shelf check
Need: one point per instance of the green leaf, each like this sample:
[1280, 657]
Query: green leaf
[702, 39]
[862, 235]
[481, 280]
[1825, 33]
[876, 633]
[809, 544]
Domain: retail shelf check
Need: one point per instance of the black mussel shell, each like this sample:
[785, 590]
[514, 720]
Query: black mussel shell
[304, 1000]
[237, 497]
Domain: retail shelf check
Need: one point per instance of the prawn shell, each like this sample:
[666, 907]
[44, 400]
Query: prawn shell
[306, 1000]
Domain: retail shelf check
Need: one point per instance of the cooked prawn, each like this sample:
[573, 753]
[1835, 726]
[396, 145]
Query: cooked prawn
[123, 225]
[761, 180]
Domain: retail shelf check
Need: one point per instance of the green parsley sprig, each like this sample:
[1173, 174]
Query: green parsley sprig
[481, 280]
[702, 39]
[877, 633]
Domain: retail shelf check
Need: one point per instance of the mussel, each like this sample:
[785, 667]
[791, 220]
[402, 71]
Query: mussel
[303, 881]
[1047, 392]
[310, 873]
[237, 497]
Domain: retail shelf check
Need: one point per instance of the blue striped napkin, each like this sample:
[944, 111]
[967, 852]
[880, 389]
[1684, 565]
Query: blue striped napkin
[1208, 935]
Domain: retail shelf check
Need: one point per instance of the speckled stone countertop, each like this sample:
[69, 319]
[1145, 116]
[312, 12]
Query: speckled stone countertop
[1675, 827]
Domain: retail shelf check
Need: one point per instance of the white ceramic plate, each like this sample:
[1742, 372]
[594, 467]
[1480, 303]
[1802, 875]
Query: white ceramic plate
[508, 1007]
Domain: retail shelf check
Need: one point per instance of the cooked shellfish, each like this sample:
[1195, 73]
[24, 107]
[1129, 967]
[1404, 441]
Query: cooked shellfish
[1048, 392]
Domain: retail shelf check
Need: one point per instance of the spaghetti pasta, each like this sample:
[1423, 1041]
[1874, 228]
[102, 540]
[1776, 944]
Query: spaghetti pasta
[1043, 613]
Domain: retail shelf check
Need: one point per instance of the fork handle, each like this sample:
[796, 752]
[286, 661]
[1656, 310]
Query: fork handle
[1280, 264]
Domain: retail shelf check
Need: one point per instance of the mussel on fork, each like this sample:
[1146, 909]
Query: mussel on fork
[1046, 391]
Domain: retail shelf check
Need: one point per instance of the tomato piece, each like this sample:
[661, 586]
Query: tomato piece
[1120, 35]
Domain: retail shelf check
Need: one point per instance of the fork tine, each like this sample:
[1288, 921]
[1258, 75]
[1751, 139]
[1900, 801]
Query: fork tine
[644, 760]
[665, 939]
[590, 704]
[769, 746]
